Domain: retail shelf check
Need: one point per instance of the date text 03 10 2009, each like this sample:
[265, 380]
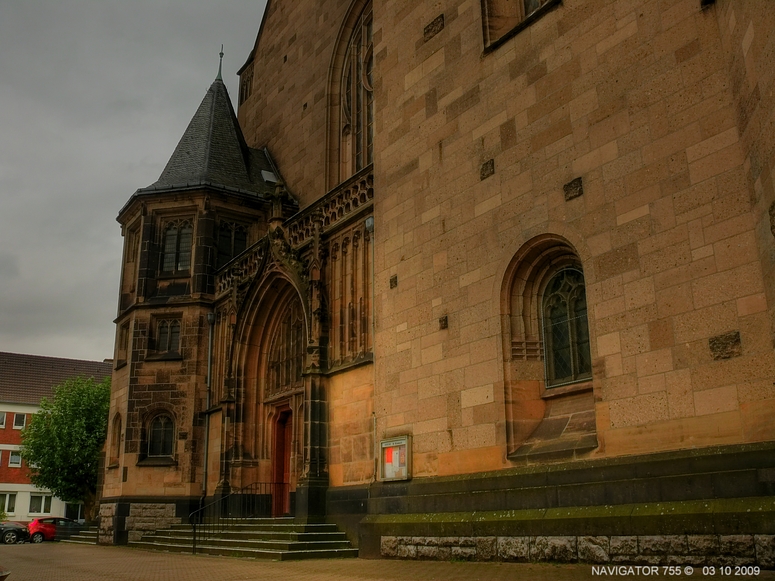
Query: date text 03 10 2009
[673, 570]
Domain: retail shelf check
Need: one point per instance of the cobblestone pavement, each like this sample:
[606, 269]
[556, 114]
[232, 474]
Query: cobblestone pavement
[66, 562]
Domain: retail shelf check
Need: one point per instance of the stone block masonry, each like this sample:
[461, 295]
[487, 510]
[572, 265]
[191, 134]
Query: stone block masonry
[694, 550]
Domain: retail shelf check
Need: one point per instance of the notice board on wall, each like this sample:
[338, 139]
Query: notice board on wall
[396, 458]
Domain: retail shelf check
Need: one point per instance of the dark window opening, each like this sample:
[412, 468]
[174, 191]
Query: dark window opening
[232, 240]
[504, 18]
[566, 330]
[168, 335]
[160, 437]
[178, 237]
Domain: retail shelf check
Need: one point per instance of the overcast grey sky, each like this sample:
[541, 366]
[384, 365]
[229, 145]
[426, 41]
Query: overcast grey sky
[94, 95]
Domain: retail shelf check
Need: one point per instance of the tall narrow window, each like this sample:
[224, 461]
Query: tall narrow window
[115, 443]
[232, 240]
[357, 116]
[178, 237]
[286, 355]
[160, 436]
[565, 329]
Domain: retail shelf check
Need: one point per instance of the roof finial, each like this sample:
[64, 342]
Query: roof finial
[220, 65]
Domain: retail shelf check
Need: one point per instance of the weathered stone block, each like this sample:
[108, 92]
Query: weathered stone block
[388, 546]
[467, 542]
[464, 553]
[573, 189]
[765, 550]
[449, 541]
[427, 552]
[725, 346]
[514, 548]
[486, 548]
[406, 552]
[653, 545]
[736, 545]
[624, 545]
[487, 169]
[561, 549]
[702, 544]
[594, 549]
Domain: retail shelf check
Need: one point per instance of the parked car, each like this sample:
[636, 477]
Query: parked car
[53, 529]
[13, 532]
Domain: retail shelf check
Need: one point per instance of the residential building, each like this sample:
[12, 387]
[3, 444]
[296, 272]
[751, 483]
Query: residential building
[24, 381]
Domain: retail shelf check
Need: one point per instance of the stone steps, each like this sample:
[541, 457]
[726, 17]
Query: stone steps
[85, 537]
[276, 539]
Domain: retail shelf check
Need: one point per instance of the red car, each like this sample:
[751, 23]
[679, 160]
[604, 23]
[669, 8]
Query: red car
[52, 529]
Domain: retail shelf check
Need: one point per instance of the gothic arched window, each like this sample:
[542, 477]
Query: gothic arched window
[232, 240]
[168, 336]
[565, 329]
[178, 237]
[357, 98]
[161, 436]
[286, 354]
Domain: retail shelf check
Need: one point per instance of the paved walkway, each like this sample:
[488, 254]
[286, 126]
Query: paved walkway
[66, 562]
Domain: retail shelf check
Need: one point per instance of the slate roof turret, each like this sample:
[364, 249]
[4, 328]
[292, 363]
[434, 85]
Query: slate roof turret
[213, 152]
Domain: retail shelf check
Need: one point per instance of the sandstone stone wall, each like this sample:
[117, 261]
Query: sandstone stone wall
[473, 152]
[148, 517]
[287, 108]
[681, 550]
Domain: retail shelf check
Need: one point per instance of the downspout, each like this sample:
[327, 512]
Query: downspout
[369, 224]
[211, 323]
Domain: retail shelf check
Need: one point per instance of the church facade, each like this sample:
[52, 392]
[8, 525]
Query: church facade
[452, 266]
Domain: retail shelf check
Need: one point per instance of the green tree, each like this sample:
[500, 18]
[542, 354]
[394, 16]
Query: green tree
[63, 441]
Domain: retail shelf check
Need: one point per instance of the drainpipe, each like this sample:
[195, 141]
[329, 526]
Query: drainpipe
[369, 224]
[211, 323]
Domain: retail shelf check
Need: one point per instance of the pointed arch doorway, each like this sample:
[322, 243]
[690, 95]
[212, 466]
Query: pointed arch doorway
[281, 461]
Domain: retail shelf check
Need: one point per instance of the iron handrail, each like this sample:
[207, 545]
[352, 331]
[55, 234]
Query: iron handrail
[252, 501]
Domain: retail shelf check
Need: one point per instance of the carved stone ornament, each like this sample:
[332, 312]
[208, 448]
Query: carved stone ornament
[289, 258]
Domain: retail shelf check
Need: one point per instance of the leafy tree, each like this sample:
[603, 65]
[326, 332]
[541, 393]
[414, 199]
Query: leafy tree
[62, 443]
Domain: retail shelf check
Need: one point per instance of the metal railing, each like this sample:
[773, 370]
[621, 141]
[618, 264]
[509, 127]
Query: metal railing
[257, 500]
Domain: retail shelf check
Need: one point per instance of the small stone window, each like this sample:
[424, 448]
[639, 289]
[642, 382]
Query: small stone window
[123, 344]
[565, 329]
[115, 441]
[502, 19]
[168, 335]
[176, 255]
[161, 433]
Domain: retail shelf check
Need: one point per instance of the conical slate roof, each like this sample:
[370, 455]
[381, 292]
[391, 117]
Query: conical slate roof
[213, 152]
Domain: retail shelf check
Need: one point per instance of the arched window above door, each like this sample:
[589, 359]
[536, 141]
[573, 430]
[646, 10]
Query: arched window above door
[286, 352]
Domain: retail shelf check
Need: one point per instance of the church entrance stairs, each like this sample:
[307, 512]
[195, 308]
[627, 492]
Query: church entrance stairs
[278, 539]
